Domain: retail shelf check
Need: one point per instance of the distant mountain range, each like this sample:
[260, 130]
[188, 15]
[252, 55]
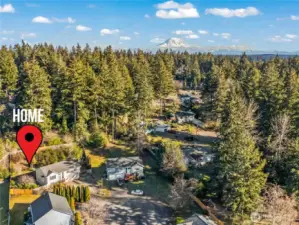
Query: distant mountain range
[178, 44]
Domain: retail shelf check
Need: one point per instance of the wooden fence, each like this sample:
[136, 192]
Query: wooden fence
[21, 191]
[206, 209]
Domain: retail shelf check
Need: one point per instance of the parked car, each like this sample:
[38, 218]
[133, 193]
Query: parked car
[189, 138]
[137, 192]
[172, 131]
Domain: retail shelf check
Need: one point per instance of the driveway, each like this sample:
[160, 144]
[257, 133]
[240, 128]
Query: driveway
[139, 211]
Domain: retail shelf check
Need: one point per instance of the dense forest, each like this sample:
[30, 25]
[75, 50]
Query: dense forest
[253, 104]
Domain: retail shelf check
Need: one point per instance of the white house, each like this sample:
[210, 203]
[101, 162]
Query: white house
[118, 168]
[185, 117]
[61, 171]
[159, 128]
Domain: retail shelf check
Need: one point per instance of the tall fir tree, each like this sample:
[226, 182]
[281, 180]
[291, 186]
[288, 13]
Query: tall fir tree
[241, 177]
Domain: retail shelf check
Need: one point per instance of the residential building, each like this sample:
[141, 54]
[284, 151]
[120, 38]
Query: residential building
[197, 219]
[185, 117]
[118, 168]
[61, 171]
[50, 209]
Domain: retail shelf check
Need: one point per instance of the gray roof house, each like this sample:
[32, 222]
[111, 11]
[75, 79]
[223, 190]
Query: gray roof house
[118, 168]
[60, 171]
[50, 209]
[184, 116]
[197, 219]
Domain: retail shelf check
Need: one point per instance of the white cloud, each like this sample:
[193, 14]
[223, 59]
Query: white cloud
[215, 34]
[108, 31]
[225, 35]
[291, 36]
[7, 32]
[64, 20]
[136, 33]
[6, 39]
[124, 38]
[174, 10]
[226, 12]
[211, 41]
[235, 40]
[41, 19]
[28, 35]
[278, 38]
[91, 6]
[203, 32]
[146, 16]
[182, 32]
[157, 40]
[294, 17]
[83, 28]
[7, 8]
[192, 36]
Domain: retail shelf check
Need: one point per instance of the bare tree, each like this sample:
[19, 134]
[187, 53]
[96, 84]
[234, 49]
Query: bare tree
[251, 117]
[280, 127]
[26, 179]
[173, 158]
[180, 192]
[96, 211]
[278, 206]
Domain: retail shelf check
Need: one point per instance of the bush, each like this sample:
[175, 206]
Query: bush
[78, 220]
[55, 141]
[98, 139]
[50, 156]
[179, 220]
[52, 138]
[4, 173]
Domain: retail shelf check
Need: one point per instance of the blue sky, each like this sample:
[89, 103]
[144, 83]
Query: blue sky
[256, 25]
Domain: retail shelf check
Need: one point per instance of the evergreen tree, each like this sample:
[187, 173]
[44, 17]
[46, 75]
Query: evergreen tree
[8, 82]
[72, 204]
[78, 219]
[240, 173]
[35, 92]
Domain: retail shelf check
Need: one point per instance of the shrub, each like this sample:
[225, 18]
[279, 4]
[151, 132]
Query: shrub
[78, 220]
[98, 139]
[4, 173]
[179, 220]
[55, 141]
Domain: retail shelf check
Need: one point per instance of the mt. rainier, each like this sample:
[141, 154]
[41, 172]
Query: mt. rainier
[173, 43]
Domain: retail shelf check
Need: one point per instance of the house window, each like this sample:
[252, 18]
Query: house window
[53, 177]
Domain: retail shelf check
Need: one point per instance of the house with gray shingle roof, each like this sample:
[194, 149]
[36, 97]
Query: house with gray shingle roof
[197, 219]
[50, 209]
[60, 171]
[118, 168]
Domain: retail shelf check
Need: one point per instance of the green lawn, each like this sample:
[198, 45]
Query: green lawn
[18, 205]
[153, 185]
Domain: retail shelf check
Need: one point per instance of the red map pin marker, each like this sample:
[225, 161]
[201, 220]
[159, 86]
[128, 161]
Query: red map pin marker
[29, 138]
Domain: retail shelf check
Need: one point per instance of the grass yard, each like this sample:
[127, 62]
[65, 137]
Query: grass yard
[153, 185]
[18, 205]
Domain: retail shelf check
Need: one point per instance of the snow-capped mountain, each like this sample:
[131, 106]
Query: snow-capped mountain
[173, 43]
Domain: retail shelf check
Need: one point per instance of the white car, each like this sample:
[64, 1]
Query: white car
[137, 192]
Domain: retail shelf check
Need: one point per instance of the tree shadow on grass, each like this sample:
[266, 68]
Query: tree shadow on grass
[17, 213]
